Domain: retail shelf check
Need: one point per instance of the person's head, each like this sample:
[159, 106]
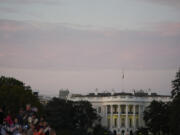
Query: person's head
[15, 120]
[28, 107]
[41, 123]
[32, 126]
[42, 118]
[21, 111]
[34, 116]
[45, 124]
[52, 132]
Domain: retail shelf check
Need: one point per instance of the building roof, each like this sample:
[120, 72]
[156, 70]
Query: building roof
[107, 94]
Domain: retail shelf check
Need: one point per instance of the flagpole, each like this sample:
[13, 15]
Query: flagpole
[122, 80]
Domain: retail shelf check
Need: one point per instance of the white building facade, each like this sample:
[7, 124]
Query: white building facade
[121, 113]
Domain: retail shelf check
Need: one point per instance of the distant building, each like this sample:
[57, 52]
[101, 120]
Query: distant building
[121, 112]
[63, 94]
[35, 93]
[44, 99]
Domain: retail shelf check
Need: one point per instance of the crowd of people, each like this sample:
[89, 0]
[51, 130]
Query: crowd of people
[26, 122]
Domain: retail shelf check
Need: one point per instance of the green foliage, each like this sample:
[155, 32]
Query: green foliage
[70, 118]
[14, 95]
[59, 114]
[99, 130]
[176, 85]
[156, 117]
[175, 116]
[164, 118]
[142, 131]
[175, 106]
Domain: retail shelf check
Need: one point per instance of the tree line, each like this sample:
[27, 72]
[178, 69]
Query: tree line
[66, 117]
[164, 118]
[79, 118]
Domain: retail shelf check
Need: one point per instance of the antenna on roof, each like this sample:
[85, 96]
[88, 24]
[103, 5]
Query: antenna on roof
[149, 91]
[96, 91]
[112, 92]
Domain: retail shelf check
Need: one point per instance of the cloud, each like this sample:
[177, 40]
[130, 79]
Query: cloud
[8, 10]
[171, 3]
[58, 46]
[171, 28]
[31, 1]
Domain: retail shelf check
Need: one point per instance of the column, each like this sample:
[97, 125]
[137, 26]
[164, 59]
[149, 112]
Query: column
[127, 117]
[134, 116]
[143, 108]
[106, 116]
[111, 116]
[119, 116]
[139, 116]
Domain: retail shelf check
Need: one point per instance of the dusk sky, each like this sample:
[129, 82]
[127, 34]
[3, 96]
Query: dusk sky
[86, 44]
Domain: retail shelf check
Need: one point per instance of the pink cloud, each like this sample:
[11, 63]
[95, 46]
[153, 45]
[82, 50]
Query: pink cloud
[61, 47]
[170, 28]
[166, 28]
[11, 26]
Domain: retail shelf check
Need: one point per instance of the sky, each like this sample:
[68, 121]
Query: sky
[87, 44]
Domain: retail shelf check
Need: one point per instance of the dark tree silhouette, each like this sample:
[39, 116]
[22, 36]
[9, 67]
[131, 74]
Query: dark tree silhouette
[175, 106]
[71, 118]
[14, 95]
[176, 85]
[156, 117]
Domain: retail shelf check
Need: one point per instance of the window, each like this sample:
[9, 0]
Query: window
[108, 109]
[137, 122]
[115, 109]
[123, 122]
[137, 109]
[123, 109]
[130, 122]
[108, 122]
[130, 109]
[99, 109]
[115, 122]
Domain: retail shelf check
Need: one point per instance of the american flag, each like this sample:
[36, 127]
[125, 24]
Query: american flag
[123, 76]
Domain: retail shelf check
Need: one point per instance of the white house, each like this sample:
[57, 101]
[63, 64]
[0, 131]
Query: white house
[121, 112]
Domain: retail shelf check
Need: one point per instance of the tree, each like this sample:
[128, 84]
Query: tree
[156, 117]
[164, 117]
[176, 85]
[84, 116]
[70, 118]
[174, 116]
[100, 130]
[59, 114]
[14, 95]
[175, 106]
[142, 131]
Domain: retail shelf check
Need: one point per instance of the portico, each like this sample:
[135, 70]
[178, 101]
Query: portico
[122, 116]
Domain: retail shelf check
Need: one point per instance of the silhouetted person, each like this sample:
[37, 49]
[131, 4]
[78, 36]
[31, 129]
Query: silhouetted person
[1, 116]
[114, 132]
[131, 132]
[122, 132]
